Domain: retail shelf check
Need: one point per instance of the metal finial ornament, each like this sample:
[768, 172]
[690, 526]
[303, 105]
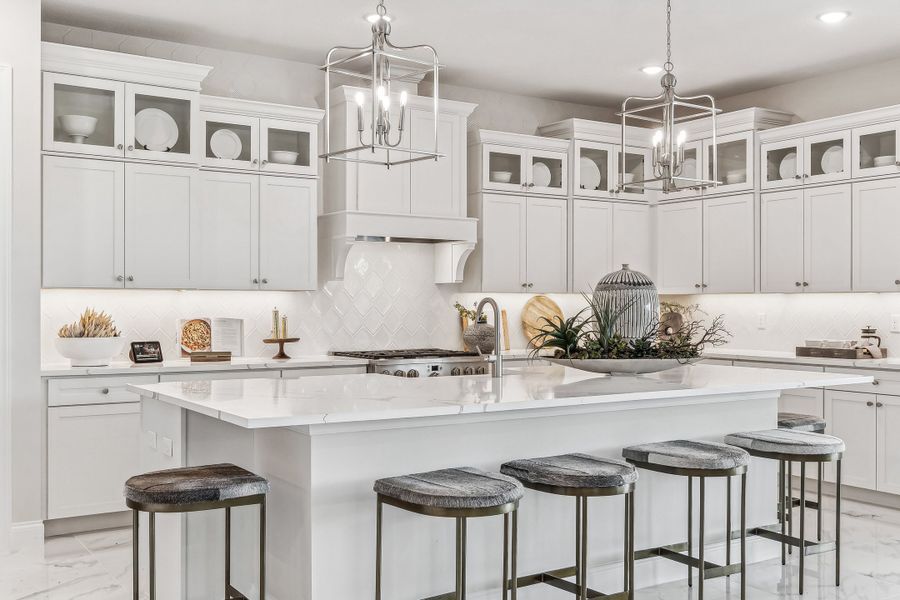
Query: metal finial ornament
[380, 64]
[668, 146]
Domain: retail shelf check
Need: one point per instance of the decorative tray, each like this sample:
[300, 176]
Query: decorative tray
[850, 353]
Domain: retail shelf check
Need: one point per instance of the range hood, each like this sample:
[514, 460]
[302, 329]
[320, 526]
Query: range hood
[453, 239]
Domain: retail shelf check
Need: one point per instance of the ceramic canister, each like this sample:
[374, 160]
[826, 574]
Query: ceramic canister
[635, 295]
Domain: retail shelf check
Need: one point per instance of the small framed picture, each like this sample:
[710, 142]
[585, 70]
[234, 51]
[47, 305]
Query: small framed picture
[145, 352]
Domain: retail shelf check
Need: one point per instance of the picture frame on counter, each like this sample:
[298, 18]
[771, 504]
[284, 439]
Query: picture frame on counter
[145, 352]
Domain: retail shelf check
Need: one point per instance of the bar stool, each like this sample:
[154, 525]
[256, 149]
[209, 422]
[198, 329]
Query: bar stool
[813, 424]
[581, 476]
[785, 445]
[192, 489]
[690, 459]
[459, 493]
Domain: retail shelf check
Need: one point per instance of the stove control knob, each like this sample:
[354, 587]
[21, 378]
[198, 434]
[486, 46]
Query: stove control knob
[455, 371]
[434, 374]
[469, 371]
[481, 370]
[399, 373]
[412, 373]
[386, 372]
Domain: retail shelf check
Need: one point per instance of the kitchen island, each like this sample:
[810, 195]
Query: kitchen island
[323, 440]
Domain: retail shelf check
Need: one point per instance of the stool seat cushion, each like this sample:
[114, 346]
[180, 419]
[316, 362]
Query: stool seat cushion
[689, 454]
[787, 441]
[457, 488]
[800, 422]
[572, 471]
[190, 485]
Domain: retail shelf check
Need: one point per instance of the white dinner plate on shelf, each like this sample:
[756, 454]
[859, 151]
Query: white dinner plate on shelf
[833, 159]
[155, 130]
[590, 174]
[788, 167]
[226, 144]
[540, 175]
[689, 168]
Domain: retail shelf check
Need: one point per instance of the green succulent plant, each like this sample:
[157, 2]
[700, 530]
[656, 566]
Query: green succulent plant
[561, 336]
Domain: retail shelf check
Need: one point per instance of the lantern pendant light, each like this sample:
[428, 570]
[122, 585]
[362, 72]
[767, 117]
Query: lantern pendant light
[378, 65]
[665, 112]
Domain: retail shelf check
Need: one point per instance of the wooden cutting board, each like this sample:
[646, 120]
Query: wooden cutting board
[533, 314]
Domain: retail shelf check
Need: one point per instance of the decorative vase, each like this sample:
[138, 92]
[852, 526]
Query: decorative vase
[633, 295]
[479, 337]
[90, 352]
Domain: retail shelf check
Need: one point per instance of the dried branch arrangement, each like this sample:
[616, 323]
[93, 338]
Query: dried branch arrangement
[91, 324]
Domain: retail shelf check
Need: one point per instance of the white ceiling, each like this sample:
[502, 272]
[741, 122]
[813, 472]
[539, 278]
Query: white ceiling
[585, 51]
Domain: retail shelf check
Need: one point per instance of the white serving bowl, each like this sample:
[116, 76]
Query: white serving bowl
[884, 161]
[628, 178]
[90, 352]
[501, 176]
[78, 127]
[736, 176]
[283, 157]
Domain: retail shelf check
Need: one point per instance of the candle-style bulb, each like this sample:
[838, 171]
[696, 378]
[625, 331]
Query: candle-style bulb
[360, 99]
[403, 98]
[657, 137]
[682, 137]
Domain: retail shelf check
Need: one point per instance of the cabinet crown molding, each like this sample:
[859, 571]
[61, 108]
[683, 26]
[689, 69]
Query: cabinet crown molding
[829, 124]
[345, 94]
[118, 66]
[518, 140]
[594, 131]
[266, 110]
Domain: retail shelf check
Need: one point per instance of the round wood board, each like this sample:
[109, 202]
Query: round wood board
[533, 314]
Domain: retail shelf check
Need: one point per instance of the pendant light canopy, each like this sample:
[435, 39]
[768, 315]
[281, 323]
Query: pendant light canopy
[666, 112]
[381, 128]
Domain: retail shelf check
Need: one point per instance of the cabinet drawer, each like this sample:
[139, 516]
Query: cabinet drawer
[774, 365]
[886, 382]
[94, 390]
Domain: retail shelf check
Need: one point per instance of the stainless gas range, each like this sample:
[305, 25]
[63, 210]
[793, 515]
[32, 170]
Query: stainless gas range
[422, 362]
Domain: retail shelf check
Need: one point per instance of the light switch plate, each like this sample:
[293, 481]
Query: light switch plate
[761, 320]
[166, 446]
[151, 439]
[895, 323]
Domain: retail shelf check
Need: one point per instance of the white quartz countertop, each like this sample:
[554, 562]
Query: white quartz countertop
[184, 365]
[257, 403]
[784, 357]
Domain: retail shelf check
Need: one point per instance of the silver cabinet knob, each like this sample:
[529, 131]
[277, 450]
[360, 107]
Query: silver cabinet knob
[798, 176]
[131, 148]
[131, 278]
[697, 285]
[531, 185]
[870, 403]
[897, 282]
[705, 286]
[531, 285]
[805, 175]
[255, 280]
[897, 163]
[120, 278]
[876, 382]
[104, 391]
[264, 162]
[524, 285]
[805, 284]
[255, 161]
[797, 283]
[119, 146]
[265, 280]
[879, 405]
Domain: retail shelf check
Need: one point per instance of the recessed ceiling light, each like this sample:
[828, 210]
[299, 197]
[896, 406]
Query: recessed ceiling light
[834, 17]
[651, 70]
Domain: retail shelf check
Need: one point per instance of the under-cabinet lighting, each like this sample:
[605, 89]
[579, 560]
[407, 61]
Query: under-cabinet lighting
[834, 17]
[651, 70]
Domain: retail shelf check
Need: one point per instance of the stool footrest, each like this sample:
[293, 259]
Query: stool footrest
[809, 548]
[554, 578]
[795, 502]
[674, 552]
[232, 594]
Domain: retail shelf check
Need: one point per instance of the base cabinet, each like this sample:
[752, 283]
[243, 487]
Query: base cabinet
[887, 426]
[852, 416]
[804, 401]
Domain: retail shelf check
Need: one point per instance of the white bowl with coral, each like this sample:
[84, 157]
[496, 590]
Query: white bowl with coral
[90, 351]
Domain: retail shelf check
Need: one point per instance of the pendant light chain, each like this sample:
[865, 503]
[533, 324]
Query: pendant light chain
[380, 10]
[669, 66]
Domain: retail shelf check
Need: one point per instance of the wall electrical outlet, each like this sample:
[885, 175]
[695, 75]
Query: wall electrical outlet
[895, 323]
[761, 320]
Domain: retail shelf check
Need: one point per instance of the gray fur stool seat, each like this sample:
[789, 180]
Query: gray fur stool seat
[801, 422]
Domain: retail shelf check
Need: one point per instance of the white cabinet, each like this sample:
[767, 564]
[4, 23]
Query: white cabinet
[84, 115]
[679, 266]
[288, 147]
[781, 241]
[287, 233]
[733, 154]
[230, 141]
[436, 186]
[592, 243]
[852, 417]
[517, 169]
[637, 168]
[876, 258]
[814, 159]
[781, 163]
[160, 204]
[888, 422]
[83, 223]
[876, 149]
[593, 169]
[162, 123]
[546, 249]
[91, 451]
[631, 238]
[225, 237]
[809, 401]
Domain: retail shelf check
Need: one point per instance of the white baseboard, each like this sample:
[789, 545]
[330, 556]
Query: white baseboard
[27, 537]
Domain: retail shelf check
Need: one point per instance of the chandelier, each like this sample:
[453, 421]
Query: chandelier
[665, 112]
[378, 65]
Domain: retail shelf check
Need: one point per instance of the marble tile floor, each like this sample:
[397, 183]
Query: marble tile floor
[97, 566]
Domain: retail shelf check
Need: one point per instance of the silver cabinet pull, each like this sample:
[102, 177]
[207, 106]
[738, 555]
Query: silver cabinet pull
[798, 176]
[265, 280]
[531, 285]
[120, 278]
[531, 185]
[697, 285]
[104, 391]
[805, 284]
[876, 382]
[255, 280]
[131, 148]
[897, 282]
[805, 175]
[797, 283]
[119, 146]
[704, 286]
[524, 285]
[131, 278]
[264, 162]
[897, 163]
[879, 405]
[255, 161]
[870, 403]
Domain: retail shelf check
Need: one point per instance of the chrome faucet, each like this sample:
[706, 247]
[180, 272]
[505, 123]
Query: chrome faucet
[497, 364]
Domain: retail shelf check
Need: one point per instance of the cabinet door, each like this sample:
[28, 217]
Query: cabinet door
[288, 147]
[876, 149]
[503, 227]
[876, 256]
[734, 160]
[781, 164]
[436, 186]
[809, 401]
[287, 233]
[826, 239]
[503, 168]
[593, 170]
[679, 259]
[729, 251]
[547, 244]
[91, 451]
[225, 232]
[852, 417]
[888, 455]
[548, 172]
[781, 244]
[691, 169]
[637, 168]
[631, 238]
[162, 124]
[83, 223]
[160, 204]
[230, 141]
[84, 115]
[826, 157]
[592, 235]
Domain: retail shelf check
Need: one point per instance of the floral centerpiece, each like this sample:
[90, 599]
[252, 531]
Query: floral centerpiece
[91, 341]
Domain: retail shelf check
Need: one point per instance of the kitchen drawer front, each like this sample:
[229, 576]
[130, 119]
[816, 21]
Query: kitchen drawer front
[77, 391]
[214, 375]
[311, 372]
[886, 382]
[775, 365]
[91, 452]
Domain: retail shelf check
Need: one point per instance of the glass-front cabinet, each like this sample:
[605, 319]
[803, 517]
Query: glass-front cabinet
[547, 172]
[83, 115]
[733, 160]
[636, 162]
[875, 150]
[512, 169]
[160, 123]
[782, 163]
[230, 141]
[826, 157]
[593, 169]
[288, 147]
[691, 168]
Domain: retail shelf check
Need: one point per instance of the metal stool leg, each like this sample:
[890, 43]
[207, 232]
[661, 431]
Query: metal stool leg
[783, 513]
[152, 559]
[262, 549]
[743, 536]
[819, 503]
[584, 545]
[227, 552]
[780, 491]
[802, 547]
[135, 554]
[505, 586]
[790, 503]
[837, 524]
[690, 535]
[578, 542]
[701, 575]
[515, 552]
[460, 558]
[378, 517]
[630, 559]
[728, 522]
[625, 565]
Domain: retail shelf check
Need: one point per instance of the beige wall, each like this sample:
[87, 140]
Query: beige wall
[20, 49]
[861, 88]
